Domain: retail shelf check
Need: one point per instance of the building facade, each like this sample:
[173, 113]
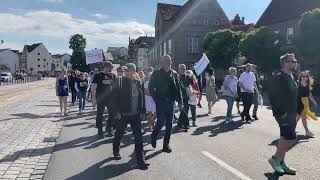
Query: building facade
[138, 50]
[180, 30]
[35, 58]
[60, 61]
[9, 60]
[283, 16]
[118, 53]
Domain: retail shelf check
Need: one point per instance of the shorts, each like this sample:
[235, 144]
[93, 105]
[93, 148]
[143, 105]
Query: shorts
[288, 126]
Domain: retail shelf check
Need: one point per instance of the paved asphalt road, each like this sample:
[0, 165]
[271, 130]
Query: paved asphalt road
[213, 150]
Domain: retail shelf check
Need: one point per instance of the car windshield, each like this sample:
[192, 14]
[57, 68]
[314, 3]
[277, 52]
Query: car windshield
[4, 75]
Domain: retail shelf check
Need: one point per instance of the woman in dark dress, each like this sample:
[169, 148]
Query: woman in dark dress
[305, 94]
[62, 91]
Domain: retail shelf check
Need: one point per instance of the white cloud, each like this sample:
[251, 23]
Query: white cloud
[100, 16]
[62, 25]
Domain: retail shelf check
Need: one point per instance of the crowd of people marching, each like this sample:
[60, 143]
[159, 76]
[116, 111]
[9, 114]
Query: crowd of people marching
[132, 96]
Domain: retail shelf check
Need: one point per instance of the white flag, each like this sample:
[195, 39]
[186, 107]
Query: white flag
[201, 65]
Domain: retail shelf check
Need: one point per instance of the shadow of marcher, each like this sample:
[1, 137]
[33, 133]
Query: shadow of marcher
[300, 139]
[272, 176]
[218, 118]
[100, 172]
[219, 128]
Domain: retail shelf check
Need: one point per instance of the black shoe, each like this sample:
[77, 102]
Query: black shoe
[185, 129]
[153, 141]
[249, 118]
[117, 156]
[167, 149]
[194, 124]
[143, 166]
[100, 136]
[242, 117]
[255, 117]
[109, 132]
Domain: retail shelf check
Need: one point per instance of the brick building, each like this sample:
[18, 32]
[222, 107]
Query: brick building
[283, 16]
[180, 30]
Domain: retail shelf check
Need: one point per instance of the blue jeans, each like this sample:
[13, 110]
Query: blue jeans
[82, 99]
[165, 117]
[230, 101]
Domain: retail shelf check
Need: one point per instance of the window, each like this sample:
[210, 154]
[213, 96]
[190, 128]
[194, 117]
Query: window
[193, 44]
[206, 22]
[218, 22]
[164, 48]
[161, 50]
[60, 60]
[38, 54]
[47, 63]
[44, 66]
[194, 21]
[289, 35]
[169, 47]
[44, 60]
[38, 66]
[57, 65]
[38, 59]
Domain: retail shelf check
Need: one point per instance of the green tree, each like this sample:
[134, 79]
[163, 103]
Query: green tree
[262, 47]
[77, 42]
[78, 59]
[308, 37]
[222, 47]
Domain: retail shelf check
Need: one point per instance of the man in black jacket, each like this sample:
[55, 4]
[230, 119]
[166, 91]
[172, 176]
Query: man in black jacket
[165, 90]
[129, 105]
[286, 107]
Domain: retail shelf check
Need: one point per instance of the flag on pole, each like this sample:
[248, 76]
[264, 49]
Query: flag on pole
[201, 65]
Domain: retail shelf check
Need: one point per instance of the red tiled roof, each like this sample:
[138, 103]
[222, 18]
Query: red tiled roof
[283, 10]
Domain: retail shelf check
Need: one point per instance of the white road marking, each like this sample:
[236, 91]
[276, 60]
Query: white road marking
[226, 166]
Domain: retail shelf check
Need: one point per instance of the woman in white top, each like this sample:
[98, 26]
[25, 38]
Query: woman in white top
[150, 104]
[230, 91]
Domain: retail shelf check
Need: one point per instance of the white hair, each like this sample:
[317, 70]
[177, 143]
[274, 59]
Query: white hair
[232, 69]
[166, 56]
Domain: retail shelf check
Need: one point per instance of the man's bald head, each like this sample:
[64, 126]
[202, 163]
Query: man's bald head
[166, 60]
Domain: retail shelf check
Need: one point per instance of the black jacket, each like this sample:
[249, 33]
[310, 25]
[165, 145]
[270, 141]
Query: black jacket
[122, 95]
[165, 86]
[283, 94]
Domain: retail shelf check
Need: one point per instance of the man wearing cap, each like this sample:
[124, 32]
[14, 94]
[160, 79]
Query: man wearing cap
[102, 87]
[129, 105]
[165, 90]
[247, 83]
[286, 107]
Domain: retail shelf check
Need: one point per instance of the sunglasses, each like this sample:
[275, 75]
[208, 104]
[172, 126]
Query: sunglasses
[293, 62]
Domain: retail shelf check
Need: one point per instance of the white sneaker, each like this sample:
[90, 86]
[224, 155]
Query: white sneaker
[309, 134]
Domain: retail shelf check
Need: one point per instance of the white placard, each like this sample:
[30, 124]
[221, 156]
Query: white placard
[202, 64]
[94, 56]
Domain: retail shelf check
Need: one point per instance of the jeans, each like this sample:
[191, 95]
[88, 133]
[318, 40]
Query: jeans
[82, 99]
[230, 101]
[101, 105]
[165, 117]
[193, 112]
[73, 95]
[121, 125]
[183, 118]
[247, 103]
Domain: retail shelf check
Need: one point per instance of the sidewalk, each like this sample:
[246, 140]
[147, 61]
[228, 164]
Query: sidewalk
[29, 128]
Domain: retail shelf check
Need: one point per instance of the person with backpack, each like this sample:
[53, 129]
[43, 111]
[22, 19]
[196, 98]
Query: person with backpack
[82, 87]
[129, 105]
[102, 88]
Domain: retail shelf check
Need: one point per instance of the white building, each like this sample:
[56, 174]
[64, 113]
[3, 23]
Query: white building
[60, 61]
[35, 58]
[143, 59]
[9, 60]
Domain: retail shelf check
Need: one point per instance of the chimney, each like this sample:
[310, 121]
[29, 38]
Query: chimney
[243, 19]
[129, 39]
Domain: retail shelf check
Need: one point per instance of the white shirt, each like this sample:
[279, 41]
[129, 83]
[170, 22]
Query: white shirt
[247, 80]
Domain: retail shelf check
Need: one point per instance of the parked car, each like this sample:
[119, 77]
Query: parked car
[5, 77]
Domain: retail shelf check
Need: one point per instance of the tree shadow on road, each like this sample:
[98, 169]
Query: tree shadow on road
[218, 128]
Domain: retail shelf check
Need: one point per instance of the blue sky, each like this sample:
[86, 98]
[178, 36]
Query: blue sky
[103, 22]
